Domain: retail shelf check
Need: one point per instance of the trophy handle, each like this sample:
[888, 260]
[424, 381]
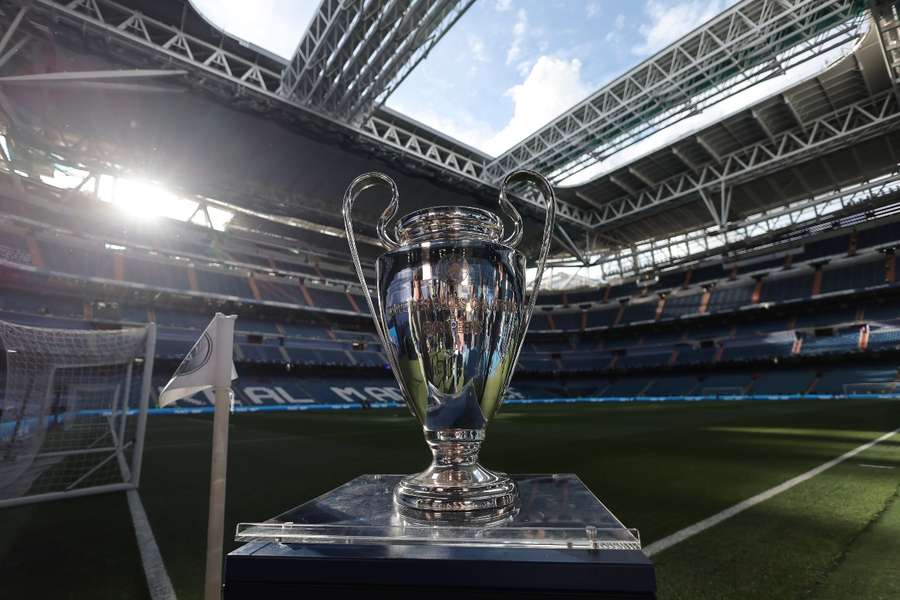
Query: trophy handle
[546, 188]
[358, 186]
[515, 237]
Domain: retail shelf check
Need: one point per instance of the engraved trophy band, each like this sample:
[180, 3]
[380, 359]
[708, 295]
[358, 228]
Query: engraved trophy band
[451, 315]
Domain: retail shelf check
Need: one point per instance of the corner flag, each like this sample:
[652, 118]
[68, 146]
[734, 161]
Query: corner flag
[198, 371]
[210, 364]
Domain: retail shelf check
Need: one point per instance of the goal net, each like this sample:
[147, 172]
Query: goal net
[73, 410]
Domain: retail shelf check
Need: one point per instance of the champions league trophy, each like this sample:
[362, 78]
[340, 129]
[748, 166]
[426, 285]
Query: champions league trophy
[452, 315]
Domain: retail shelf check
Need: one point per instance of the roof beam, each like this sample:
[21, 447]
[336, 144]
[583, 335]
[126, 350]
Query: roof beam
[702, 66]
[853, 123]
[354, 54]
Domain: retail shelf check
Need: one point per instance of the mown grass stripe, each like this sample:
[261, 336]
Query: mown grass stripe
[692, 530]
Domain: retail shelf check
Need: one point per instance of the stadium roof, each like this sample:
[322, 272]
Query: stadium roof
[248, 142]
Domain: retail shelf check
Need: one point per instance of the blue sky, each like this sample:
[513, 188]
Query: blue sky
[508, 66]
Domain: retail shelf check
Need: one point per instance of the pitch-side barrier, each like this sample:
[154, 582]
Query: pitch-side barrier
[315, 406]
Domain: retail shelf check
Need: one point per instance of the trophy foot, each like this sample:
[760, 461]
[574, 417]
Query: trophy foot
[458, 488]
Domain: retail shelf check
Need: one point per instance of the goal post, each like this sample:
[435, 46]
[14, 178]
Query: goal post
[73, 414]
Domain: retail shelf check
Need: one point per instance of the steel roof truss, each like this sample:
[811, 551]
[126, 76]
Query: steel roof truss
[854, 122]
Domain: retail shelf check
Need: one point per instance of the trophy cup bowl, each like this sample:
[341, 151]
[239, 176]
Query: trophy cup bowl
[451, 316]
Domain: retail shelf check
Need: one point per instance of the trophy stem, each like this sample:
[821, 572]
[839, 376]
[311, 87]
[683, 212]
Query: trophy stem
[455, 482]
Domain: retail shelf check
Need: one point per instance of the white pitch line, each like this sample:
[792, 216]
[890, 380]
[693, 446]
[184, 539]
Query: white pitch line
[688, 532]
[158, 581]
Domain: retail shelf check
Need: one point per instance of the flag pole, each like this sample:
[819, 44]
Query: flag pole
[215, 533]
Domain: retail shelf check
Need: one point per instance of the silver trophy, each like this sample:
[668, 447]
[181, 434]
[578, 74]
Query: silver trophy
[452, 315]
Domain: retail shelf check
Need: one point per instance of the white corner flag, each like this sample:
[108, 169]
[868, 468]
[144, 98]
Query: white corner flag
[210, 364]
[200, 370]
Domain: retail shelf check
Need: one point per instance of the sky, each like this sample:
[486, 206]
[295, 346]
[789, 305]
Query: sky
[510, 66]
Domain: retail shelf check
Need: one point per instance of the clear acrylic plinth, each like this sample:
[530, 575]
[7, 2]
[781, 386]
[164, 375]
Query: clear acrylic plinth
[554, 511]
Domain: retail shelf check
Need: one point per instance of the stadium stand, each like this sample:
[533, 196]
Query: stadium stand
[699, 317]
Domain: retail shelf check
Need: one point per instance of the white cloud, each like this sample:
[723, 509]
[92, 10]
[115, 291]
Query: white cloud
[669, 21]
[276, 25]
[503, 5]
[615, 34]
[458, 124]
[592, 9]
[476, 47]
[552, 86]
[519, 31]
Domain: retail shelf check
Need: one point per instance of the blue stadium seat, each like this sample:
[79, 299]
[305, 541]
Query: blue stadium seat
[332, 299]
[337, 275]
[707, 273]
[294, 267]
[250, 259]
[672, 385]
[729, 297]
[622, 290]
[548, 298]
[184, 319]
[14, 247]
[567, 321]
[823, 318]
[603, 317]
[227, 284]
[833, 246]
[842, 380]
[884, 339]
[280, 290]
[304, 331]
[260, 353]
[789, 287]
[761, 265]
[626, 387]
[638, 311]
[134, 314]
[256, 326]
[877, 237]
[575, 298]
[156, 274]
[41, 304]
[644, 359]
[879, 312]
[539, 321]
[722, 384]
[695, 356]
[85, 260]
[845, 341]
[853, 275]
[783, 382]
[670, 280]
[679, 306]
[43, 321]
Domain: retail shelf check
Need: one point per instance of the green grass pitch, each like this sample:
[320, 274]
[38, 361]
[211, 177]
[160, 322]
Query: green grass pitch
[659, 467]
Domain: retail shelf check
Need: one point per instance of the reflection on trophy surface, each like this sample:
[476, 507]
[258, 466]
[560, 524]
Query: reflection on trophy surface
[452, 314]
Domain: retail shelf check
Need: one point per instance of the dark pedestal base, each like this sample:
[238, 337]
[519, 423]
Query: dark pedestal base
[410, 567]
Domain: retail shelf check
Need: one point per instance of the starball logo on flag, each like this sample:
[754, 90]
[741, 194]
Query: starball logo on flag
[198, 357]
